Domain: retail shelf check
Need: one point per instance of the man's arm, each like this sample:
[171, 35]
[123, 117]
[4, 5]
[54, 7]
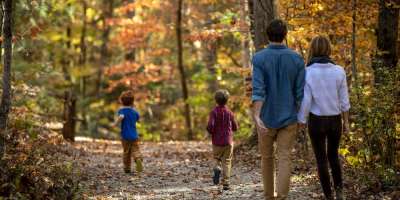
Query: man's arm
[300, 82]
[258, 96]
[257, 105]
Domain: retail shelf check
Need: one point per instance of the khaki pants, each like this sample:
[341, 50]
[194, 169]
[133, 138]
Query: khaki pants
[284, 138]
[131, 149]
[223, 156]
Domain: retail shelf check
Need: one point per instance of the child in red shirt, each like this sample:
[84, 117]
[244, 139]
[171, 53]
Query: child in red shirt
[221, 125]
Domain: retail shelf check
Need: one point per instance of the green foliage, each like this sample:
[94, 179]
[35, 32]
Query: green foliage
[373, 143]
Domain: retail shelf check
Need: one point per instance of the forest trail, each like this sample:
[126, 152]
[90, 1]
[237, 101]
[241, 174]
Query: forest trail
[175, 170]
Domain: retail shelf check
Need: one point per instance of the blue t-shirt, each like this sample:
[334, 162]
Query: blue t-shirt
[128, 124]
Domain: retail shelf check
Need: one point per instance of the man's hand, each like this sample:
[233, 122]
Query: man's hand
[257, 105]
[301, 127]
[259, 124]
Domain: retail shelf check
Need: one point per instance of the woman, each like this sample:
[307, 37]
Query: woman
[325, 101]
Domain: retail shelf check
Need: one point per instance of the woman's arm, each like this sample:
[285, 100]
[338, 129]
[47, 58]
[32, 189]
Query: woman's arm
[344, 103]
[305, 105]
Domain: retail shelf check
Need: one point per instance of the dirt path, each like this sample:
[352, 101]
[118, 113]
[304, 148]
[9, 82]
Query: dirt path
[173, 170]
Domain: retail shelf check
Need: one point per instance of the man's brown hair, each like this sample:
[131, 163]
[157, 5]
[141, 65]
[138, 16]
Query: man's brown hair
[127, 98]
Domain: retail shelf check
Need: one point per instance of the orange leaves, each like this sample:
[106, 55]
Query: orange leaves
[206, 35]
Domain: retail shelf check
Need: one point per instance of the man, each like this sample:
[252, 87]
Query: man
[278, 82]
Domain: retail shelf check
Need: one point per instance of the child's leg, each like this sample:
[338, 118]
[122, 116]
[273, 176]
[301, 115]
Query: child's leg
[227, 163]
[137, 156]
[217, 153]
[127, 153]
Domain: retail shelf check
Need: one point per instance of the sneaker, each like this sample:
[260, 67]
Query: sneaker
[217, 173]
[139, 165]
[226, 187]
[339, 194]
[127, 171]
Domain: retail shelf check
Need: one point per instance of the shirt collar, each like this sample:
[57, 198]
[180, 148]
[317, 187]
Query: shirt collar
[276, 46]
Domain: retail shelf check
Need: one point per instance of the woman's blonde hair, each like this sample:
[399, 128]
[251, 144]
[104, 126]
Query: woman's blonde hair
[320, 46]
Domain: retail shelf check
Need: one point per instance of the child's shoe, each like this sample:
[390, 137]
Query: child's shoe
[139, 165]
[226, 187]
[217, 173]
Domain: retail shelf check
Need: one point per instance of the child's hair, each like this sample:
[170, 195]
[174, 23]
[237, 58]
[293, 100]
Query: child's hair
[221, 97]
[277, 30]
[127, 98]
[320, 46]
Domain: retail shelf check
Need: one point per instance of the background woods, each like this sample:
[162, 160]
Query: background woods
[64, 64]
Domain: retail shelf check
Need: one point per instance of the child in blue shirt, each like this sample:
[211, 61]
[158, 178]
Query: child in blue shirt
[128, 117]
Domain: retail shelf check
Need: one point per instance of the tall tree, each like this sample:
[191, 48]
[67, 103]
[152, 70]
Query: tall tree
[105, 37]
[178, 28]
[264, 11]
[387, 33]
[69, 110]
[261, 12]
[386, 59]
[6, 95]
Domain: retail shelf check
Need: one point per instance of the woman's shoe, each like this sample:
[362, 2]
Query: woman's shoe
[339, 194]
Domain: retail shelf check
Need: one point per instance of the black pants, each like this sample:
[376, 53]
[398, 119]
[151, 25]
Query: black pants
[325, 133]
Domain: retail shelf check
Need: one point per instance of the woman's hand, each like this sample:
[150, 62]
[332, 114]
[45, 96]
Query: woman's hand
[346, 127]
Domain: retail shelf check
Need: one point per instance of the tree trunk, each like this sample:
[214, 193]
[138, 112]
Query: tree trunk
[131, 55]
[68, 130]
[104, 54]
[182, 69]
[261, 12]
[387, 32]
[82, 62]
[83, 47]
[6, 95]
[386, 61]
[210, 55]
[353, 45]
[264, 12]
[245, 40]
[69, 118]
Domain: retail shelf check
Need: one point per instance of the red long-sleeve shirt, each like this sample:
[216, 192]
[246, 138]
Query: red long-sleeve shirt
[221, 125]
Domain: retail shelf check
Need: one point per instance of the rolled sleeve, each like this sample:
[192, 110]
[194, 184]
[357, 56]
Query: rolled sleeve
[344, 95]
[258, 83]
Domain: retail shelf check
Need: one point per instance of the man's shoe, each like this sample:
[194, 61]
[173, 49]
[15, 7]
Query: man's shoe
[127, 171]
[217, 174]
[226, 187]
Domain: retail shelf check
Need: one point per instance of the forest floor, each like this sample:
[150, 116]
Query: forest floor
[179, 170]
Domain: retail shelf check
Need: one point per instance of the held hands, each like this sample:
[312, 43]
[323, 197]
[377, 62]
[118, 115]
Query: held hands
[301, 127]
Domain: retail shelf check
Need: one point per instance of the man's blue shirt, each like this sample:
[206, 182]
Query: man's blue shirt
[278, 81]
[128, 124]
